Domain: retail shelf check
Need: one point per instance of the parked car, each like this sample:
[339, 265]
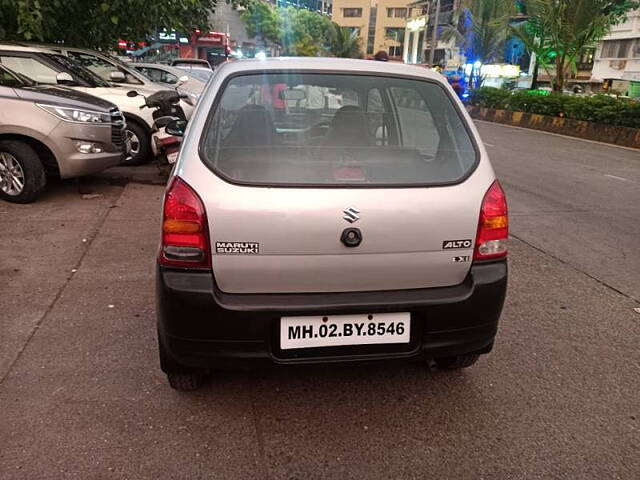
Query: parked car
[105, 66]
[179, 62]
[114, 70]
[48, 67]
[300, 232]
[46, 130]
[172, 77]
[201, 73]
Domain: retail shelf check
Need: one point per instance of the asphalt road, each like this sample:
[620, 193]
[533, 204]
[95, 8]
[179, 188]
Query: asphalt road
[575, 200]
[81, 395]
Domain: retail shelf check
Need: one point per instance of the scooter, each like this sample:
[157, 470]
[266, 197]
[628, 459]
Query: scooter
[167, 108]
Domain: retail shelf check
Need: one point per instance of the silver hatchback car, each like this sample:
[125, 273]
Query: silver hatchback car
[328, 210]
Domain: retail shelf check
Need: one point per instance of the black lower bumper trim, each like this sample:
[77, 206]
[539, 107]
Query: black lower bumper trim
[201, 326]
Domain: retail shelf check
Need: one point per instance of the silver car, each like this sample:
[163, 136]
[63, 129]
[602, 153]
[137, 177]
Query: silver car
[53, 131]
[327, 210]
[172, 77]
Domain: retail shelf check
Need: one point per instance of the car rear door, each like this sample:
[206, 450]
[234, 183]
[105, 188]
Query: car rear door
[274, 238]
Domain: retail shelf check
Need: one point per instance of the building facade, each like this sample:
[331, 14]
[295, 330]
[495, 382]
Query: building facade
[380, 24]
[419, 34]
[617, 59]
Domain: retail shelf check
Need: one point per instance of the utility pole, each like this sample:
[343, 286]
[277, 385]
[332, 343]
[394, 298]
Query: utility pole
[434, 35]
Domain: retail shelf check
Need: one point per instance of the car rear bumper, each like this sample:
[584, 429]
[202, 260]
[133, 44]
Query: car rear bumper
[201, 326]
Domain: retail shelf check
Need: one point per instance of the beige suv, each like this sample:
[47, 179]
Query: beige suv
[46, 130]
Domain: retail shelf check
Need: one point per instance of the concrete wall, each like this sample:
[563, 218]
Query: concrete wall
[226, 17]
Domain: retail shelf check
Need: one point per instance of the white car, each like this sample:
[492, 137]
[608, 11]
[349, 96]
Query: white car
[46, 66]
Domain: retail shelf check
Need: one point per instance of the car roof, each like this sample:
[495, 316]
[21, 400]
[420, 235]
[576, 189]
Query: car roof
[168, 68]
[56, 46]
[329, 64]
[21, 48]
[190, 60]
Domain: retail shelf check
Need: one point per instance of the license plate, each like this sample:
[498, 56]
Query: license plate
[336, 330]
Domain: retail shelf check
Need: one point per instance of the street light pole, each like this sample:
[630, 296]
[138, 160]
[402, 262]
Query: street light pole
[434, 35]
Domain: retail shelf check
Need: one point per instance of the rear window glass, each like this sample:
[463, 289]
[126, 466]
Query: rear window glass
[330, 129]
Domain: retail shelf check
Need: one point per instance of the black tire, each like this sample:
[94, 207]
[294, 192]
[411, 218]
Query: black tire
[181, 377]
[30, 169]
[143, 154]
[457, 362]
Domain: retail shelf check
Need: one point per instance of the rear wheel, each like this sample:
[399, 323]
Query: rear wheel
[458, 361]
[22, 175]
[140, 144]
[186, 382]
[180, 377]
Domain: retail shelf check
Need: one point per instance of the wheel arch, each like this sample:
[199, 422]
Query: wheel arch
[130, 117]
[46, 155]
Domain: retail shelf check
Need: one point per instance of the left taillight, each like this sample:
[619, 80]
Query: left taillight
[493, 225]
[185, 241]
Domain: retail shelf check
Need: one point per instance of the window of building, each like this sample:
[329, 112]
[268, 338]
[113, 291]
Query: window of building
[351, 12]
[397, 12]
[395, 34]
[395, 51]
[619, 48]
[585, 62]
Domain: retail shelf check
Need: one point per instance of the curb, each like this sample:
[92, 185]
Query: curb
[623, 136]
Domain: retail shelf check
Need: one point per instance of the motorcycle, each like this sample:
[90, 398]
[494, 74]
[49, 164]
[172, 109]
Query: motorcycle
[166, 105]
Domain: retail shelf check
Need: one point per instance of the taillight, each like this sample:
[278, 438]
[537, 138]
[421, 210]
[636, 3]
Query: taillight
[493, 226]
[185, 242]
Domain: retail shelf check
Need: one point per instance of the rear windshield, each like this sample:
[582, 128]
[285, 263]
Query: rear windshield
[332, 129]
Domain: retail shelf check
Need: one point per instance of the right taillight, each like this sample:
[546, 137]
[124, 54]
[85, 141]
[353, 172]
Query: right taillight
[493, 226]
[185, 242]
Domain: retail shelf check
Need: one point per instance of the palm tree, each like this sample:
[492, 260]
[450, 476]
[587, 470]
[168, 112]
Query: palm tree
[482, 28]
[559, 30]
[347, 43]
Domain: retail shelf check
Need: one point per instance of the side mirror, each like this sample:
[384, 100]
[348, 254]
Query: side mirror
[64, 77]
[132, 93]
[176, 128]
[117, 77]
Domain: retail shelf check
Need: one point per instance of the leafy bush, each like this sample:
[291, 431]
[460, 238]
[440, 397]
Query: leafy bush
[489, 97]
[598, 108]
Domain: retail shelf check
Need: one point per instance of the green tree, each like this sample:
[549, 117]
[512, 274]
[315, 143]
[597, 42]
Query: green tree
[263, 20]
[482, 28]
[559, 30]
[347, 43]
[300, 27]
[99, 23]
[297, 31]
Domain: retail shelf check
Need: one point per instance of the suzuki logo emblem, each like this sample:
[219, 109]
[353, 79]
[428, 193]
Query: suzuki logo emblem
[351, 215]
